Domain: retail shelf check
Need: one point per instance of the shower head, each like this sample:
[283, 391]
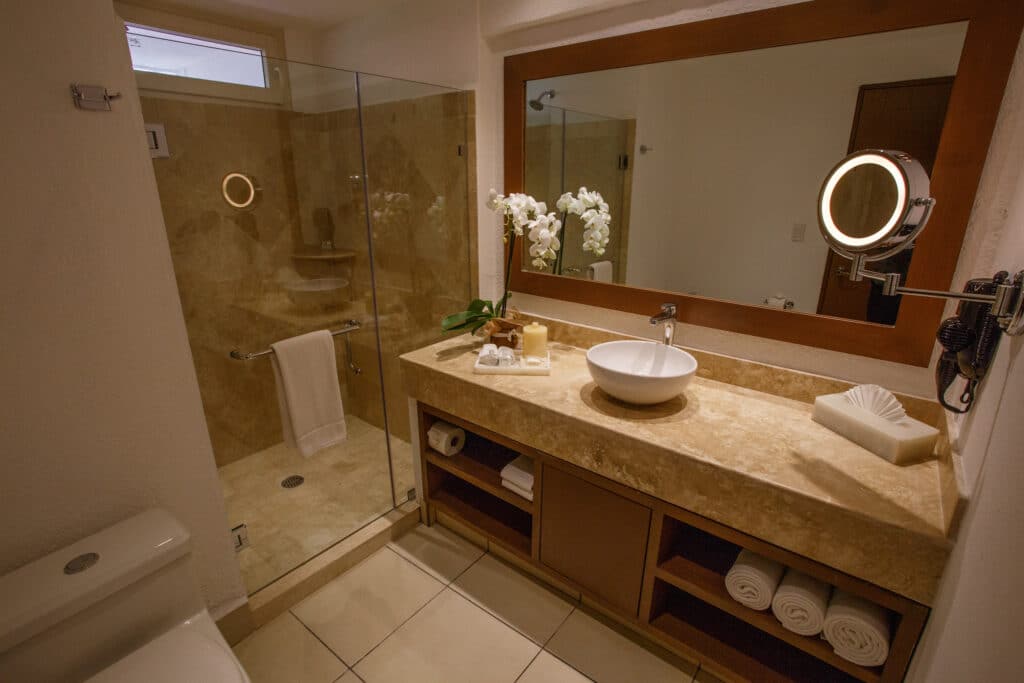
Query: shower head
[538, 104]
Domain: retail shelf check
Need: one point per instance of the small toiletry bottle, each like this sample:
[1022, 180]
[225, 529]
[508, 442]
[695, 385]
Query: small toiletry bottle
[506, 357]
[489, 355]
[535, 340]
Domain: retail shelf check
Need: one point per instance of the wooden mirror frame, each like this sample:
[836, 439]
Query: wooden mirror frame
[993, 34]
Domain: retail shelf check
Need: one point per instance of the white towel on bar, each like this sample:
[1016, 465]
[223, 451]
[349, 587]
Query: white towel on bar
[308, 392]
[800, 603]
[752, 580]
[517, 489]
[857, 629]
[519, 472]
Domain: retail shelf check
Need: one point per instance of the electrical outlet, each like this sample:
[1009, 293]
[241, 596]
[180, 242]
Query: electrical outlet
[240, 535]
[799, 231]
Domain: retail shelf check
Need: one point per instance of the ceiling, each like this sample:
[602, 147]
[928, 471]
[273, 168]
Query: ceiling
[288, 13]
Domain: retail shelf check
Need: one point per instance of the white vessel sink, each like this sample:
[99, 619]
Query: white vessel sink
[641, 372]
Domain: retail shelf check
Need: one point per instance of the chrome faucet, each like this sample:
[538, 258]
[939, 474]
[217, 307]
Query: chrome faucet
[667, 316]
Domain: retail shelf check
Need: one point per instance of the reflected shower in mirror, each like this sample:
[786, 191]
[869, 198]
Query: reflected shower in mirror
[711, 165]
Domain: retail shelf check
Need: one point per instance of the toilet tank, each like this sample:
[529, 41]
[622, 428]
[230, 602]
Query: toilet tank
[70, 614]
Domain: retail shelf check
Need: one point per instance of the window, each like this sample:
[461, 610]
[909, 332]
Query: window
[174, 54]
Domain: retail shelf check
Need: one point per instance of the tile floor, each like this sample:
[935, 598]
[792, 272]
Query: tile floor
[346, 487]
[434, 607]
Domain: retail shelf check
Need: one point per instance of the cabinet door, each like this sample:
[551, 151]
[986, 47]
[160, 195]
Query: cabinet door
[594, 537]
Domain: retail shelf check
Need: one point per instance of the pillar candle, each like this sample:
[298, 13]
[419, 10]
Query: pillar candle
[535, 340]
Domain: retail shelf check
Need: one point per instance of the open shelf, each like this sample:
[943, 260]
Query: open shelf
[479, 463]
[734, 644]
[491, 516]
[314, 254]
[710, 552]
[695, 562]
[709, 586]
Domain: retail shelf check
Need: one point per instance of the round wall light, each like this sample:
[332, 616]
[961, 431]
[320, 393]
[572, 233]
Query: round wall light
[239, 190]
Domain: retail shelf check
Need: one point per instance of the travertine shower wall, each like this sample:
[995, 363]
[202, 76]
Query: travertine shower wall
[233, 267]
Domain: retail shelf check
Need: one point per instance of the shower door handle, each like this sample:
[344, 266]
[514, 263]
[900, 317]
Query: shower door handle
[356, 370]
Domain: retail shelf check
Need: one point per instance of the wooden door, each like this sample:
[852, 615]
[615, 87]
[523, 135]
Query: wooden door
[594, 537]
[905, 116]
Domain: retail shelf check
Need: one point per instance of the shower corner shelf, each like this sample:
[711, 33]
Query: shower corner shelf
[324, 255]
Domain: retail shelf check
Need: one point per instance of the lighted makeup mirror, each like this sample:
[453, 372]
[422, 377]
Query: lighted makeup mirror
[872, 205]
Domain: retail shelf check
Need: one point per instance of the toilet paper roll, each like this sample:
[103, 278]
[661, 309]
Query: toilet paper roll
[446, 439]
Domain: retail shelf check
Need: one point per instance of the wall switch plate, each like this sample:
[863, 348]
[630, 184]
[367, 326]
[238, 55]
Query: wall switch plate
[411, 495]
[156, 138]
[240, 535]
[799, 231]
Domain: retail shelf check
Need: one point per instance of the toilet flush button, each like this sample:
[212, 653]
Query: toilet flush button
[81, 563]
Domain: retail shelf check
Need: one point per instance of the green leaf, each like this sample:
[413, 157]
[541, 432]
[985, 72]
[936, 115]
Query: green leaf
[473, 324]
[458, 320]
[481, 306]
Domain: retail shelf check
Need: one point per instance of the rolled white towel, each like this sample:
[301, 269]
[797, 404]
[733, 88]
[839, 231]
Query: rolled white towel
[752, 580]
[800, 603]
[858, 630]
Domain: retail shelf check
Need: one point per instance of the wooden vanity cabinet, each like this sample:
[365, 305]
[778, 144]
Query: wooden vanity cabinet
[655, 567]
[594, 537]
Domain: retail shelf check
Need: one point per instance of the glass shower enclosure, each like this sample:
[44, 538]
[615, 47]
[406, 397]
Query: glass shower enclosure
[568, 149]
[323, 199]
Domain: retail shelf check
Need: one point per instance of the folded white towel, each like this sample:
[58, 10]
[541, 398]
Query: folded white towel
[308, 392]
[517, 489]
[857, 629]
[752, 580]
[800, 603]
[519, 472]
[600, 271]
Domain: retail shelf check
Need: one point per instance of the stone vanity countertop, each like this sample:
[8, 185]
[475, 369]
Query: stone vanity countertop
[747, 459]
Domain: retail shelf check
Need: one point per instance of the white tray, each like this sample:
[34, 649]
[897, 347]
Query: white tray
[517, 368]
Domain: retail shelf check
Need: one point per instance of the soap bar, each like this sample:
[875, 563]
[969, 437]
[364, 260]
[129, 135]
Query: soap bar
[907, 440]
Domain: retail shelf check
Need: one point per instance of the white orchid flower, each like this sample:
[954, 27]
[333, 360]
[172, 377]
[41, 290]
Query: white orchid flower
[592, 209]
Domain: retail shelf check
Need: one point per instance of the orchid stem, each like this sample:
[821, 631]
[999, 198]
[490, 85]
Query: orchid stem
[508, 271]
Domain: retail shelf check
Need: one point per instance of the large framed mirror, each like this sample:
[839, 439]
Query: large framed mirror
[709, 141]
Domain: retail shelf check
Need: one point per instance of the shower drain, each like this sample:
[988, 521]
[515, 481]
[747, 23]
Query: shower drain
[292, 481]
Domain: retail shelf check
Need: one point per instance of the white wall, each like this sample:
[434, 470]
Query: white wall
[974, 631]
[741, 144]
[613, 92]
[432, 41]
[101, 410]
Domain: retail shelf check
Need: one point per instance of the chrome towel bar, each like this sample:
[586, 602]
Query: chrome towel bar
[350, 326]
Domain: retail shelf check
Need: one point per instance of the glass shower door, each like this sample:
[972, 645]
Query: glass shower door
[417, 149]
[295, 259]
[567, 150]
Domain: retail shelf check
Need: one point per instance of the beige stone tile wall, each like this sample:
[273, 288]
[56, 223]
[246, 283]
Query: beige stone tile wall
[416, 154]
[232, 266]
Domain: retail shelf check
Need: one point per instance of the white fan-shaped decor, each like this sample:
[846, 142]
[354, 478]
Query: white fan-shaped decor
[877, 400]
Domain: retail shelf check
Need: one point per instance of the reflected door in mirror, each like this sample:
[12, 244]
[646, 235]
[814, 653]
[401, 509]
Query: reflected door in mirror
[907, 116]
